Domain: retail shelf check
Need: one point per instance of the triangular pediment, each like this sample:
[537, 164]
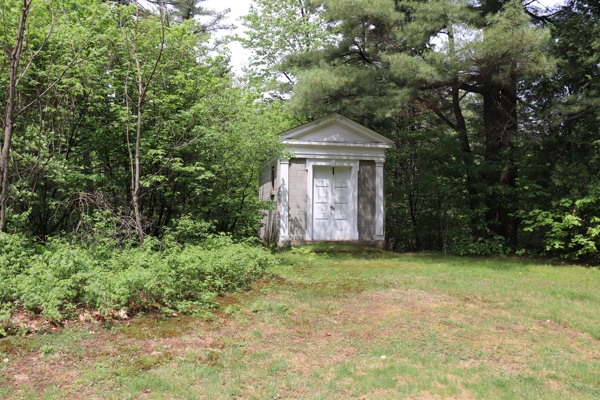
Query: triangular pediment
[334, 128]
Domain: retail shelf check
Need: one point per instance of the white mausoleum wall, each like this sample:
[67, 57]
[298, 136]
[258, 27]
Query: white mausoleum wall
[298, 198]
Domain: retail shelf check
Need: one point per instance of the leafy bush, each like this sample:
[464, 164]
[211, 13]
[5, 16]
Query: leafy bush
[15, 252]
[570, 229]
[58, 278]
[482, 246]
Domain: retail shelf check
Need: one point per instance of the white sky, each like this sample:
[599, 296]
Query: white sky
[240, 56]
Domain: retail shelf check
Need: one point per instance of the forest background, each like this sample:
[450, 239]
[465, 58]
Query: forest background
[130, 146]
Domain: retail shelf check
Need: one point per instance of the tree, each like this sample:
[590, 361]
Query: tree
[73, 163]
[560, 202]
[143, 79]
[57, 27]
[188, 9]
[15, 59]
[276, 29]
[443, 57]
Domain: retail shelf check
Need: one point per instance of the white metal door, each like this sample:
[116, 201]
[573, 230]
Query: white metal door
[332, 203]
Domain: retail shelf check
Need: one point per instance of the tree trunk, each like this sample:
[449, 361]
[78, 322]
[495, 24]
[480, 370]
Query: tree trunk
[136, 179]
[460, 128]
[500, 124]
[15, 58]
[142, 91]
[416, 239]
[467, 157]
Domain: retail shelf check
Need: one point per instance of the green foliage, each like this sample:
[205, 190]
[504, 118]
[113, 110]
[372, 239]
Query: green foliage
[484, 246]
[190, 230]
[569, 228]
[526, 157]
[61, 277]
[441, 79]
[47, 349]
[559, 181]
[15, 253]
[279, 28]
[203, 137]
[482, 104]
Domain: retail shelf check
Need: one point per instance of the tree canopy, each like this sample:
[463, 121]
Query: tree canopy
[477, 96]
[127, 121]
[114, 102]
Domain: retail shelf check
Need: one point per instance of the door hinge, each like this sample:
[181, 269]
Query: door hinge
[333, 168]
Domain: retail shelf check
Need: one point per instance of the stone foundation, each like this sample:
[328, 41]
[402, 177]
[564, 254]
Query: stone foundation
[379, 244]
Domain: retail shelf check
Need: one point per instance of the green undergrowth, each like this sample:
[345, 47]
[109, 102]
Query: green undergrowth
[59, 279]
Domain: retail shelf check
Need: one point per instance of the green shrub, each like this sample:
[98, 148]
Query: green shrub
[15, 253]
[571, 229]
[482, 246]
[58, 278]
[53, 281]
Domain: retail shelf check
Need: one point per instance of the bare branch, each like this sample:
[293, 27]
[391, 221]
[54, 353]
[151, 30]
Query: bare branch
[433, 107]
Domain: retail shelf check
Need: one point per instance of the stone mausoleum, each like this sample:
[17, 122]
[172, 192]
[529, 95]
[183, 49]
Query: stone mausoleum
[331, 190]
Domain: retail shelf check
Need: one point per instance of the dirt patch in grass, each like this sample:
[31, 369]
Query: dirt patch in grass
[117, 347]
[37, 374]
[313, 337]
[429, 396]
[449, 326]
[156, 327]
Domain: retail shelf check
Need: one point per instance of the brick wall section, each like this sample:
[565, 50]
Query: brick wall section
[298, 197]
[366, 200]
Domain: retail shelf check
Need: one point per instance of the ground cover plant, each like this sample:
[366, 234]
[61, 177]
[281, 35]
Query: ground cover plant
[339, 325]
[60, 280]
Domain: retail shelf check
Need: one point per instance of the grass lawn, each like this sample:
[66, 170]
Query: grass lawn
[341, 325]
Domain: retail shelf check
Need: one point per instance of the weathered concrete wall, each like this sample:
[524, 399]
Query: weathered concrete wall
[366, 200]
[275, 222]
[263, 194]
[298, 198]
[269, 190]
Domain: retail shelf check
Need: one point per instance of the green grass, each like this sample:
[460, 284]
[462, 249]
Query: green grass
[340, 325]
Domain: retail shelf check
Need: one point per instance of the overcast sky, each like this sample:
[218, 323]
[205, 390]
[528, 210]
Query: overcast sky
[240, 56]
